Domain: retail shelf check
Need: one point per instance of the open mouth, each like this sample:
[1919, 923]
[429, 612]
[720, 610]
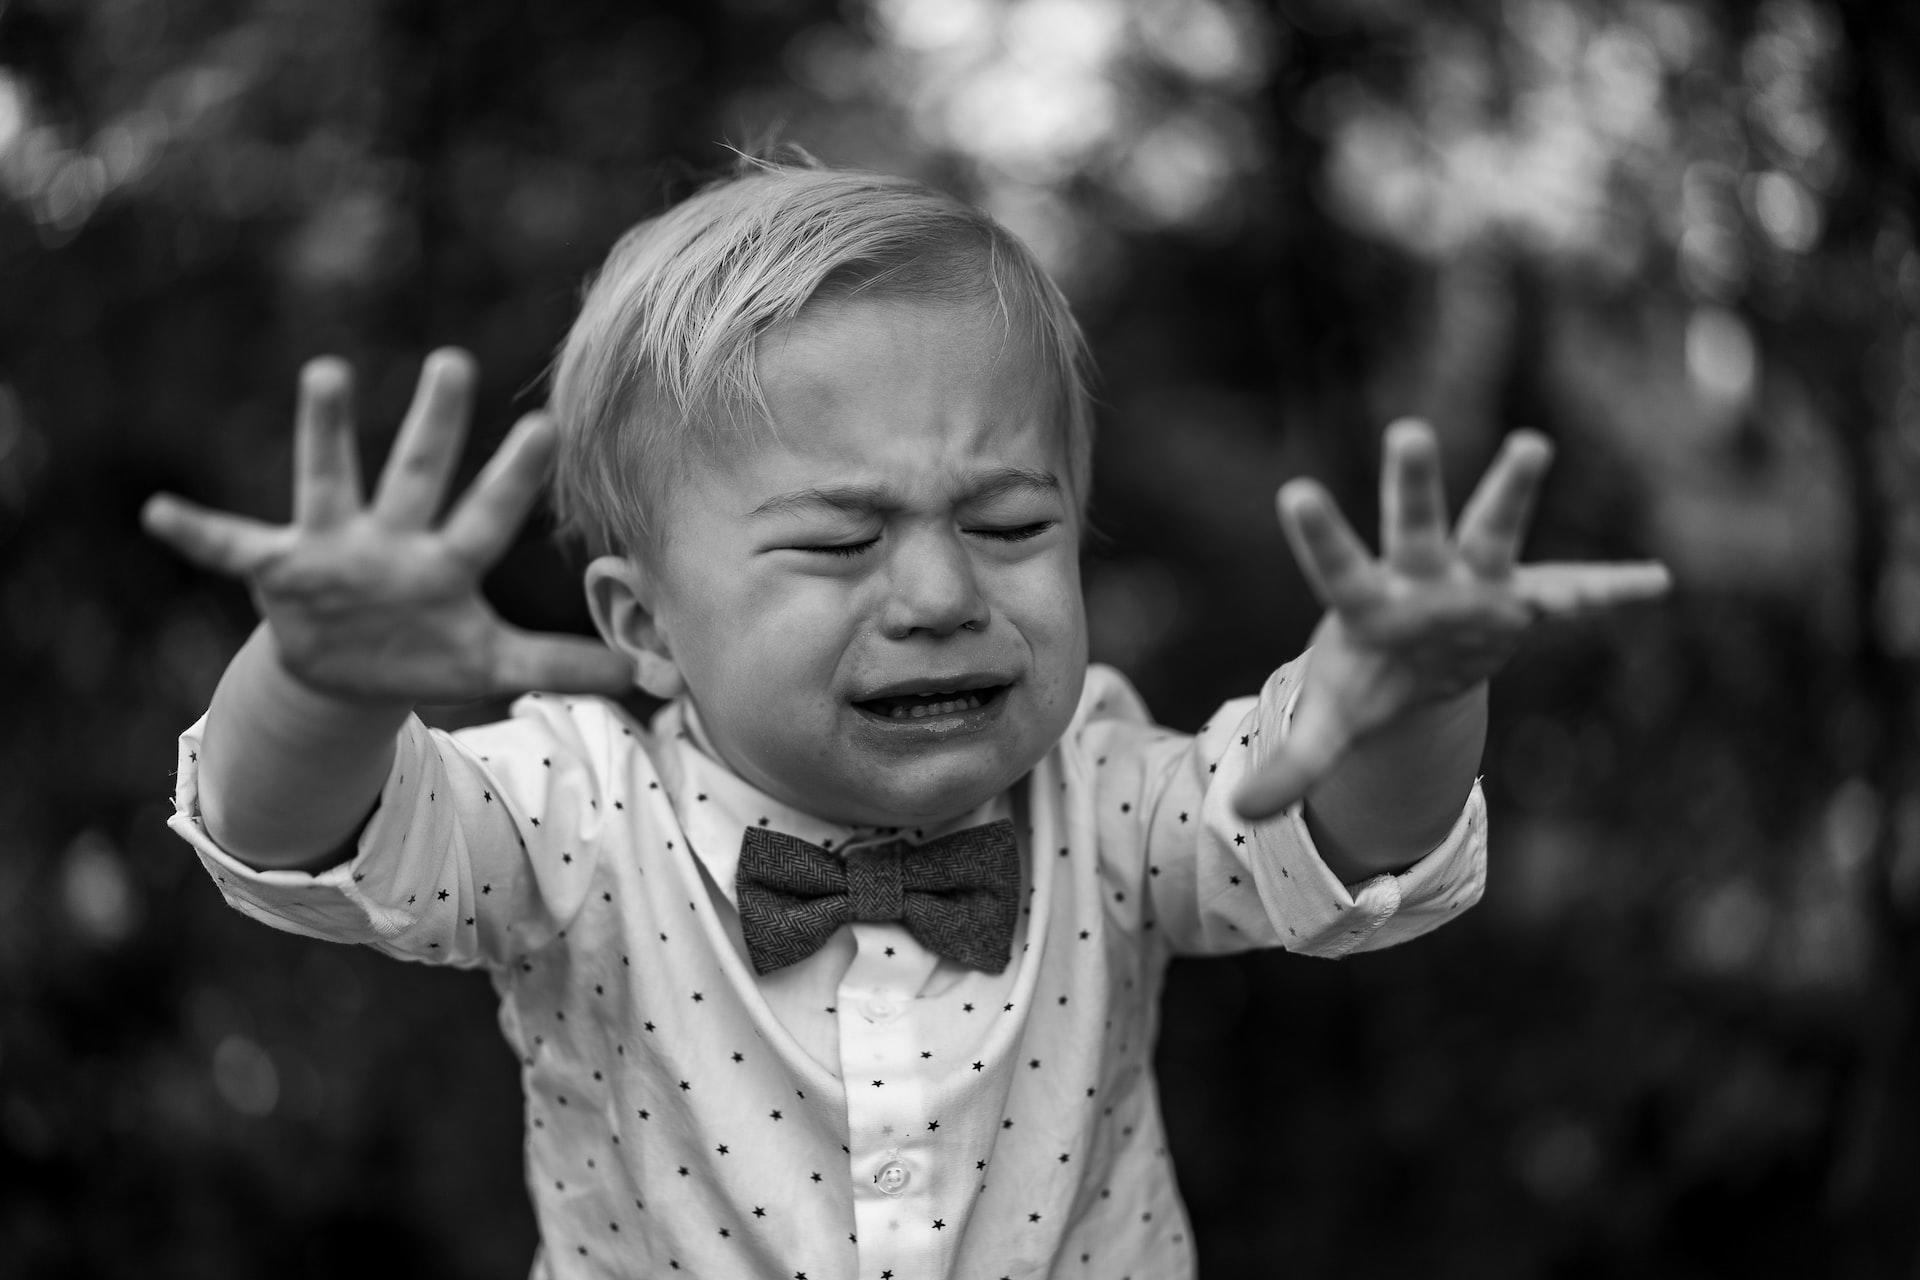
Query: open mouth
[931, 702]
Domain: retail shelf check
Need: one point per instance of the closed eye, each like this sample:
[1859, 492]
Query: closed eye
[844, 550]
[1019, 533]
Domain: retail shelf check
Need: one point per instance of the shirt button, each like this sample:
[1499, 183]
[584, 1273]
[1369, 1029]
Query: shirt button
[879, 1008]
[893, 1178]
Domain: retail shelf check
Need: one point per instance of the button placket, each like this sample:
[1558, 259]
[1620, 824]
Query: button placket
[894, 1178]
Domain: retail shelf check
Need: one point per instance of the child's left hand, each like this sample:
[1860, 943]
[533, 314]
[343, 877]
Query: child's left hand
[1433, 616]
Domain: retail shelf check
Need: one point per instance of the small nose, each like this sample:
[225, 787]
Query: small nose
[932, 588]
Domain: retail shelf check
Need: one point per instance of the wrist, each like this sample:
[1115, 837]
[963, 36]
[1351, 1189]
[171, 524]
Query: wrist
[1445, 714]
[287, 771]
[304, 686]
[1398, 791]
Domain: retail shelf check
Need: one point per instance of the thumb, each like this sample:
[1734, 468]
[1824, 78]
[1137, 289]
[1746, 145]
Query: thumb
[559, 664]
[1568, 587]
[1313, 745]
[229, 544]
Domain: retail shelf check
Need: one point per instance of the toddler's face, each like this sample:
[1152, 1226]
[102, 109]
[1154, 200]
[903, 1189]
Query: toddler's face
[878, 611]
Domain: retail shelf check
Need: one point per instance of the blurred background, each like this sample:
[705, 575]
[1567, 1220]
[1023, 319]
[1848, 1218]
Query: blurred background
[1679, 1038]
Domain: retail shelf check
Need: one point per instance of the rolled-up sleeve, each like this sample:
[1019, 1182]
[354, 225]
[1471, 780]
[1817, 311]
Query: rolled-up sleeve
[478, 850]
[1216, 882]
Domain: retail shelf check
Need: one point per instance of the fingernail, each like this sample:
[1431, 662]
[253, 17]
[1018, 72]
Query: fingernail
[156, 511]
[1408, 430]
[324, 374]
[1294, 492]
[1530, 441]
[448, 362]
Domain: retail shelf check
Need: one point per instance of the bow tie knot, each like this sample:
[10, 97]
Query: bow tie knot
[876, 890]
[957, 894]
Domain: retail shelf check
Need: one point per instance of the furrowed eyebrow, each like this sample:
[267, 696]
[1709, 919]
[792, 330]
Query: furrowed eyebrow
[1006, 480]
[861, 499]
[851, 499]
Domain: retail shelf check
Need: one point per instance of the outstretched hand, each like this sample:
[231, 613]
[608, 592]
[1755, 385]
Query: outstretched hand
[372, 601]
[1433, 615]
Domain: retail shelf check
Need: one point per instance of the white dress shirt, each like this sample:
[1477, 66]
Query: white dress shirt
[873, 1111]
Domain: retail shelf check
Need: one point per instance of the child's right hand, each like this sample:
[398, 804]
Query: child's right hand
[372, 602]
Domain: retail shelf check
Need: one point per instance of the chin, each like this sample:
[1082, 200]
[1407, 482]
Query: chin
[934, 803]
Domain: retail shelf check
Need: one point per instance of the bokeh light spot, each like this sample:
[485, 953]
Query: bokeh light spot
[1786, 211]
[96, 891]
[929, 25]
[245, 1076]
[1721, 358]
[1727, 928]
[13, 111]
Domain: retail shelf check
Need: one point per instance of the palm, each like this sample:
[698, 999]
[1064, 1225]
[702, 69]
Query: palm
[1433, 616]
[371, 599]
[362, 610]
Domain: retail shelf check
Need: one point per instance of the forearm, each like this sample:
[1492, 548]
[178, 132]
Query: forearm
[288, 774]
[1397, 793]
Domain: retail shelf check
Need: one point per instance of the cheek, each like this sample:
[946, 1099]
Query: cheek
[789, 633]
[1044, 600]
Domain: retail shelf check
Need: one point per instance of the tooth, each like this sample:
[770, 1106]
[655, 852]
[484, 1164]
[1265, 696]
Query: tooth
[936, 703]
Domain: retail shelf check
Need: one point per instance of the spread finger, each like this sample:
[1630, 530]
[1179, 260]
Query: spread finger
[1331, 555]
[1413, 505]
[229, 544]
[427, 448]
[1494, 521]
[486, 519]
[326, 467]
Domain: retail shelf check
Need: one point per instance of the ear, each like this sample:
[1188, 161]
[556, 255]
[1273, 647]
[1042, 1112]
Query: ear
[620, 595]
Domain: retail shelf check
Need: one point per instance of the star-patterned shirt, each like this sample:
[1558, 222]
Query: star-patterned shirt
[873, 1111]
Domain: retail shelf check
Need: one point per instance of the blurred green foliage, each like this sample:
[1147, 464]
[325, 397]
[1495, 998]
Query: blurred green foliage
[1682, 1036]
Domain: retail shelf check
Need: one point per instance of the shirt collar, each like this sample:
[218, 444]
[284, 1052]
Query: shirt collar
[715, 805]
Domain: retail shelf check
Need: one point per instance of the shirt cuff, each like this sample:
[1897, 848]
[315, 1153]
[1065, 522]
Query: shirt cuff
[1393, 908]
[1310, 909]
[326, 904]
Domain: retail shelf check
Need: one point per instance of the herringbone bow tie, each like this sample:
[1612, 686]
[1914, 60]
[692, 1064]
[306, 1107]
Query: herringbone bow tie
[957, 894]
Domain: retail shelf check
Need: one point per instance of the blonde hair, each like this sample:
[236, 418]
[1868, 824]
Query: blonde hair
[658, 370]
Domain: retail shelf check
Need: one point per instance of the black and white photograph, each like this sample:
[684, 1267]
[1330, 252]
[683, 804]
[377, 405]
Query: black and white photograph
[960, 639]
